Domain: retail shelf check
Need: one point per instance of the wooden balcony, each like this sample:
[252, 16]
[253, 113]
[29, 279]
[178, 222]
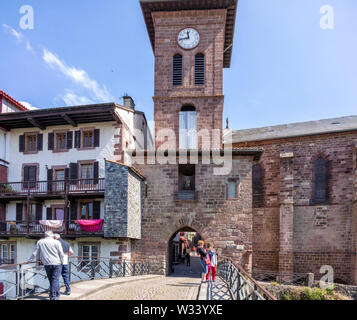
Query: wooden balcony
[36, 229]
[51, 189]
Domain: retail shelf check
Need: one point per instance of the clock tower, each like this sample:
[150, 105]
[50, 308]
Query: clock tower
[192, 42]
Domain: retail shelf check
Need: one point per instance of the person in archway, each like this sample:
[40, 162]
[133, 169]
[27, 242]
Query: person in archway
[203, 258]
[188, 258]
[212, 268]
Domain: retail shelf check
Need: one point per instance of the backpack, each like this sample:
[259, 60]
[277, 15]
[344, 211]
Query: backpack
[207, 259]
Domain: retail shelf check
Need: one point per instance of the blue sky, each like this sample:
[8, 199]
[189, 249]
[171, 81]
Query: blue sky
[285, 68]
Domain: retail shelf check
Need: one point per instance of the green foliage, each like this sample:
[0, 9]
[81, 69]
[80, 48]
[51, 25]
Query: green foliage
[317, 294]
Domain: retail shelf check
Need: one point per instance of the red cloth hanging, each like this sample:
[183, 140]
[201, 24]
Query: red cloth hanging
[91, 225]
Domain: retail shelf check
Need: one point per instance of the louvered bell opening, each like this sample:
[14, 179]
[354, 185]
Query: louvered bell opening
[177, 70]
[199, 69]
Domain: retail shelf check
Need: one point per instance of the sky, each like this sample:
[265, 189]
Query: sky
[285, 66]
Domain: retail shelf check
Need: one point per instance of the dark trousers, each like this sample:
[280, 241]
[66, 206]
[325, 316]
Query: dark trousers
[65, 276]
[53, 275]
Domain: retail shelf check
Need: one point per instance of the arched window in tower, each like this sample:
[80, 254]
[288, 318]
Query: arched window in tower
[177, 70]
[320, 181]
[257, 186]
[188, 130]
[199, 69]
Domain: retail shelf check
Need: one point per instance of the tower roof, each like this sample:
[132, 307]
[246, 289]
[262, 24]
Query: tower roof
[149, 6]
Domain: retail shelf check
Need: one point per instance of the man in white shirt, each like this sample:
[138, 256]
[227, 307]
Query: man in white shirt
[52, 257]
[68, 251]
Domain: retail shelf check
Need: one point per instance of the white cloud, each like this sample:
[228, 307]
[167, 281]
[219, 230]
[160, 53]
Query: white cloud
[72, 99]
[28, 105]
[98, 93]
[12, 31]
[19, 37]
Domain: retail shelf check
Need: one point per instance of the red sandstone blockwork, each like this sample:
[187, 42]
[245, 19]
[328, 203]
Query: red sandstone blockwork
[324, 234]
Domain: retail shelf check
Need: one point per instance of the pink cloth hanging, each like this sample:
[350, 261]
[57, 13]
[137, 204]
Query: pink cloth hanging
[91, 225]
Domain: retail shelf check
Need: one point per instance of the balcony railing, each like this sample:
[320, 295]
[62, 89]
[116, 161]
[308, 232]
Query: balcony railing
[72, 227]
[77, 186]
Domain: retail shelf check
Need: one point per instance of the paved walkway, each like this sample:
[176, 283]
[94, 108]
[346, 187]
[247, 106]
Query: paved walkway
[183, 284]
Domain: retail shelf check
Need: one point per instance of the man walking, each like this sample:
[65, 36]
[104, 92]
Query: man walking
[52, 257]
[67, 250]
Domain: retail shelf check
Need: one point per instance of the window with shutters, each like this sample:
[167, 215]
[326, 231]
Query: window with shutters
[33, 212]
[7, 253]
[200, 69]
[188, 128]
[320, 181]
[59, 178]
[30, 175]
[177, 70]
[87, 139]
[257, 185]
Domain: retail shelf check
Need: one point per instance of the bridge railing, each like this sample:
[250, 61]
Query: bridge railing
[28, 279]
[241, 284]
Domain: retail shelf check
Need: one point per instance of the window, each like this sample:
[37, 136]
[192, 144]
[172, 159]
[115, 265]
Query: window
[7, 253]
[87, 173]
[320, 181]
[188, 131]
[86, 210]
[186, 183]
[59, 179]
[90, 255]
[88, 141]
[200, 69]
[29, 176]
[177, 70]
[31, 143]
[61, 141]
[35, 211]
[232, 189]
[257, 186]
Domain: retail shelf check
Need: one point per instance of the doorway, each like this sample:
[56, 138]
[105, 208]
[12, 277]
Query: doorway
[183, 259]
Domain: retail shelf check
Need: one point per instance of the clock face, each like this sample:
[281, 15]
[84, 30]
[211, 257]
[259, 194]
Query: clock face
[188, 38]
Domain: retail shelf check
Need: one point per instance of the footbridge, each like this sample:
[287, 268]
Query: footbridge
[108, 279]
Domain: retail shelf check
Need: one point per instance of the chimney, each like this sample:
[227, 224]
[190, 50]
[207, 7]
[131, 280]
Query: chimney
[129, 102]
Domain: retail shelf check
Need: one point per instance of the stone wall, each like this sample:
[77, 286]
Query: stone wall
[122, 202]
[322, 234]
[225, 223]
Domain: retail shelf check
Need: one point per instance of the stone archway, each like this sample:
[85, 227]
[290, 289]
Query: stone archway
[176, 266]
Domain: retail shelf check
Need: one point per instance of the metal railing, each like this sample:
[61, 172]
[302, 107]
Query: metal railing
[296, 279]
[25, 280]
[11, 189]
[12, 228]
[241, 284]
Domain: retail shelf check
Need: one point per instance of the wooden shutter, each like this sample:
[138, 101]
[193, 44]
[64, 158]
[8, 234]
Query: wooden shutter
[74, 210]
[96, 172]
[38, 212]
[77, 139]
[69, 140]
[320, 177]
[199, 69]
[22, 143]
[66, 174]
[96, 210]
[177, 70]
[73, 173]
[40, 142]
[49, 179]
[51, 141]
[49, 214]
[19, 208]
[96, 138]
